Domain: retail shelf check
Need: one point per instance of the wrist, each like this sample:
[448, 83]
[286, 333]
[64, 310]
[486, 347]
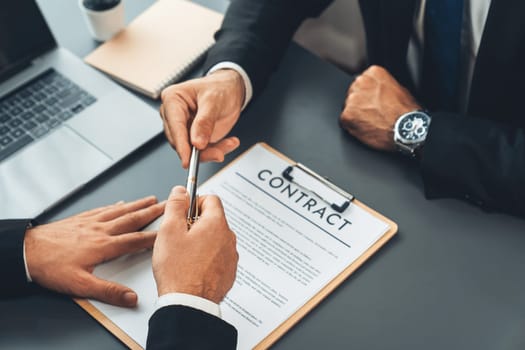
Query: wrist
[34, 259]
[410, 132]
[24, 253]
[234, 78]
[189, 300]
[247, 88]
[195, 290]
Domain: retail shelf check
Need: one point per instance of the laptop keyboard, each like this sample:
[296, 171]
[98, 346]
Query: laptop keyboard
[36, 108]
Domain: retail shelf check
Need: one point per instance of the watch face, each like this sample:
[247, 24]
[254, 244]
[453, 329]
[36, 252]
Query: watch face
[413, 127]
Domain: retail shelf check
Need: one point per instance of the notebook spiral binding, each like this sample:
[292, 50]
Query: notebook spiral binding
[181, 71]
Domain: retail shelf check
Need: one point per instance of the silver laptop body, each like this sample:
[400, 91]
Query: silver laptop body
[109, 125]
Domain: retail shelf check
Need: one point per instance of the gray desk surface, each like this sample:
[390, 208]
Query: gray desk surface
[451, 279]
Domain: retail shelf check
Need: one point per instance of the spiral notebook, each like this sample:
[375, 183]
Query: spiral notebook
[159, 46]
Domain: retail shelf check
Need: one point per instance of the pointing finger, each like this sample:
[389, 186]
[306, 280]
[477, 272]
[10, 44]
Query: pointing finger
[167, 129]
[177, 116]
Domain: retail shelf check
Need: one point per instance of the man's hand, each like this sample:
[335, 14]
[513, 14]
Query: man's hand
[374, 102]
[209, 107]
[62, 255]
[201, 261]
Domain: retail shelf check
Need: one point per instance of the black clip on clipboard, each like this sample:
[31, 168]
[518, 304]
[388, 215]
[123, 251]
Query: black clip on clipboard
[310, 181]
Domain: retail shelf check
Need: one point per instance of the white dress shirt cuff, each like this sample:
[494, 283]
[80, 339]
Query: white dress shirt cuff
[189, 300]
[28, 276]
[248, 90]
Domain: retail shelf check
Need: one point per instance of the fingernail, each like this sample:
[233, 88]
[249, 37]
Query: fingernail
[130, 298]
[178, 190]
[120, 202]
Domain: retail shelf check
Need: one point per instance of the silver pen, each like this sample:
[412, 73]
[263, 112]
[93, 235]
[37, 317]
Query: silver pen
[191, 186]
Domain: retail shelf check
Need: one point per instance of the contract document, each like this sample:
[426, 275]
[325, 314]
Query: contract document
[294, 249]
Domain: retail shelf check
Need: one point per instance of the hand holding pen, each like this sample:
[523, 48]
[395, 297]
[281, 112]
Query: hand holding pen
[202, 112]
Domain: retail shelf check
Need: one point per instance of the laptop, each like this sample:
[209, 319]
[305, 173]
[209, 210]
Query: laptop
[61, 122]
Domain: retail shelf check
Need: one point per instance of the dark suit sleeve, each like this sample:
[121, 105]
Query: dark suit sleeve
[256, 33]
[12, 269]
[180, 327]
[475, 159]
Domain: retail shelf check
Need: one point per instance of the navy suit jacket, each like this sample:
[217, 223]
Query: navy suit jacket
[478, 156]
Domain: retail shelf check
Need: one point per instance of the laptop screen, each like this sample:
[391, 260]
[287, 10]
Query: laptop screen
[24, 35]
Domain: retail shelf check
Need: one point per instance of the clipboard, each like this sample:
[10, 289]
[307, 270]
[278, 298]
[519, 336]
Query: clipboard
[339, 200]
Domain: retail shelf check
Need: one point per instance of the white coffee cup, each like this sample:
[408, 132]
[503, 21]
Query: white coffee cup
[104, 24]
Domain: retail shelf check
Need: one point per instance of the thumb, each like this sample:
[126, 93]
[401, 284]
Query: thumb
[202, 127]
[109, 292]
[176, 210]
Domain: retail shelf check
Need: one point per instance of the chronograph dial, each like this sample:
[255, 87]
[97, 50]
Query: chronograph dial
[411, 131]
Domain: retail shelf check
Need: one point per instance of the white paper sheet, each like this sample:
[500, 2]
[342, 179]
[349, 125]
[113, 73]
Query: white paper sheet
[290, 243]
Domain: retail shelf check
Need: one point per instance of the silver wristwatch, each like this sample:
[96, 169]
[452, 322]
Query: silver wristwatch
[410, 132]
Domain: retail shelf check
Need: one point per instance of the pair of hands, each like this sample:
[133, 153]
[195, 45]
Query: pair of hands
[202, 261]
[207, 108]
